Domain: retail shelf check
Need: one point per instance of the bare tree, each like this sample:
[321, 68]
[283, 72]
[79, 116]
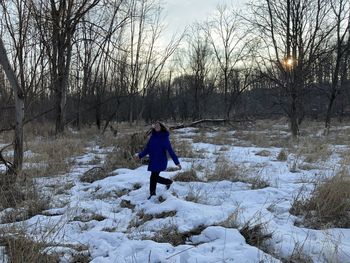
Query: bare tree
[16, 19]
[341, 11]
[57, 22]
[229, 43]
[19, 107]
[199, 59]
[294, 34]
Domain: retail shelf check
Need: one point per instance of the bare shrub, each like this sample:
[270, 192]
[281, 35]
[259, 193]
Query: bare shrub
[329, 203]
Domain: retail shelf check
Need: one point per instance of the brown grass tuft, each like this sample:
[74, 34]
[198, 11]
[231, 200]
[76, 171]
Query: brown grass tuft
[328, 205]
[183, 148]
[127, 204]
[263, 153]
[171, 234]
[20, 248]
[125, 148]
[225, 170]
[282, 156]
[121, 157]
[187, 176]
[255, 235]
[53, 156]
[21, 195]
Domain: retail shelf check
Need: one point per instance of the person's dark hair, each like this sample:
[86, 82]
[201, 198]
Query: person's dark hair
[163, 128]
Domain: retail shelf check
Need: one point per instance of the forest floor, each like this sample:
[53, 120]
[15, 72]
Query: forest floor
[245, 194]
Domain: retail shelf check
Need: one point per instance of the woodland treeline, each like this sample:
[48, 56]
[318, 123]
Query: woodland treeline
[82, 62]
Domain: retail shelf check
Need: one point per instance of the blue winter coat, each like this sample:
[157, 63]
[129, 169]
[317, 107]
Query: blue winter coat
[156, 148]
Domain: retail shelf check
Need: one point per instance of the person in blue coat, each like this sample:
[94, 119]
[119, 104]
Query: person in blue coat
[157, 147]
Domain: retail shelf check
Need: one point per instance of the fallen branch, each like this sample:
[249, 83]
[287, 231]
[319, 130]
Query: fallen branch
[195, 123]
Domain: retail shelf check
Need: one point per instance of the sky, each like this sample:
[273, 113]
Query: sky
[181, 13]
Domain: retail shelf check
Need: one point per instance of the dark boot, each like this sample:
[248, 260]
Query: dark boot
[168, 185]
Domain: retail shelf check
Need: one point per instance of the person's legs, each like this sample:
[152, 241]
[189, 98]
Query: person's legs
[165, 181]
[153, 183]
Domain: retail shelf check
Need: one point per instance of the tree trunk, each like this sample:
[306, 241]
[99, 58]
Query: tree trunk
[19, 108]
[329, 113]
[294, 118]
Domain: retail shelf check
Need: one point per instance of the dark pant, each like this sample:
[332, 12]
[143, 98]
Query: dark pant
[155, 178]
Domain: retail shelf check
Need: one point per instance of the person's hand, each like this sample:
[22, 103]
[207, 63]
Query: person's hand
[179, 166]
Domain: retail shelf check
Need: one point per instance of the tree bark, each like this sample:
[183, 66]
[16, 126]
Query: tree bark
[19, 108]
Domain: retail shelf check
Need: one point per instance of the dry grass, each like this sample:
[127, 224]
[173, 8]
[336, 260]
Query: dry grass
[87, 217]
[328, 205]
[200, 136]
[187, 176]
[21, 194]
[125, 148]
[282, 156]
[53, 156]
[196, 195]
[263, 139]
[94, 174]
[232, 220]
[220, 137]
[225, 170]
[256, 235]
[121, 157]
[127, 204]
[263, 153]
[20, 248]
[142, 217]
[183, 148]
[171, 234]
[298, 256]
[313, 150]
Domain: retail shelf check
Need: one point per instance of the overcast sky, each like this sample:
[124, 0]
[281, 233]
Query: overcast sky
[180, 13]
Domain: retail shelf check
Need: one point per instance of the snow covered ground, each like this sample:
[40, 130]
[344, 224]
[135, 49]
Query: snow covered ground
[112, 220]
